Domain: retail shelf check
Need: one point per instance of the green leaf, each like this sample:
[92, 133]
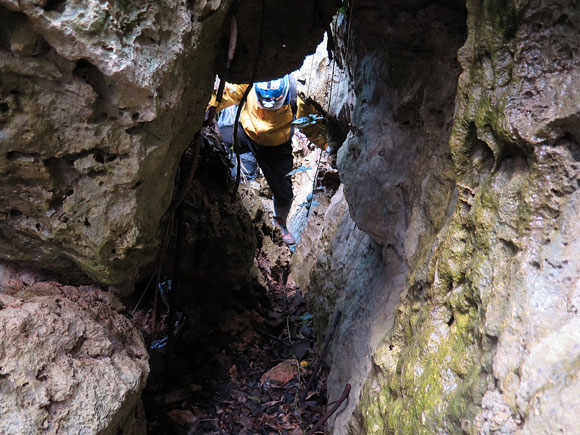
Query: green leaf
[305, 318]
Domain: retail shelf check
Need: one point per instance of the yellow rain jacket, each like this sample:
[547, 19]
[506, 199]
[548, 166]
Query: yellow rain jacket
[265, 127]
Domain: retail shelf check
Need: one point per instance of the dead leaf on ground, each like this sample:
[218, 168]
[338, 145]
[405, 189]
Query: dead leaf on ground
[246, 421]
[233, 321]
[281, 373]
[183, 420]
[234, 373]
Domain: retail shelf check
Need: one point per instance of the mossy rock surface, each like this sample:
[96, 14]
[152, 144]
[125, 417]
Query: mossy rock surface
[467, 350]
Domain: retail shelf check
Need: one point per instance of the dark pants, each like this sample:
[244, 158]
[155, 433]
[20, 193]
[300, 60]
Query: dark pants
[275, 161]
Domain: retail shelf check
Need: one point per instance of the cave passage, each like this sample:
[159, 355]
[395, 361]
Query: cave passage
[252, 350]
[245, 359]
[448, 242]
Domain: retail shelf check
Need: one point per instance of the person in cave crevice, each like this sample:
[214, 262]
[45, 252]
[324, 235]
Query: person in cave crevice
[265, 130]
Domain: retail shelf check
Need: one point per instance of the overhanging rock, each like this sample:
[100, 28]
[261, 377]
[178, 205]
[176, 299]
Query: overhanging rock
[98, 100]
[96, 107]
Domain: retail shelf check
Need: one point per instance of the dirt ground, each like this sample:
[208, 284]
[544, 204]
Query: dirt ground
[245, 375]
[251, 369]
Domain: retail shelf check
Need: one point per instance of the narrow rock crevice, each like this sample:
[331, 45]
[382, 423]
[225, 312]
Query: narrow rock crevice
[442, 226]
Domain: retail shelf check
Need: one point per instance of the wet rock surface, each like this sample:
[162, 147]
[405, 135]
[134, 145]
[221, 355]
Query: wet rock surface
[70, 362]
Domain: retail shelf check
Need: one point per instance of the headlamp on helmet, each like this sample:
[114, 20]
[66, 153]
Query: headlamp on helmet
[272, 95]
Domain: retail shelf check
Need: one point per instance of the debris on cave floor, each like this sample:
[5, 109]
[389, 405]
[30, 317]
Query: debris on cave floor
[247, 373]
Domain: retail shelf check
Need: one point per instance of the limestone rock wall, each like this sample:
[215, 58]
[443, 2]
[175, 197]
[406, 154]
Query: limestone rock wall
[69, 362]
[97, 103]
[400, 63]
[485, 342]
[98, 100]
[515, 146]
[328, 84]
[473, 199]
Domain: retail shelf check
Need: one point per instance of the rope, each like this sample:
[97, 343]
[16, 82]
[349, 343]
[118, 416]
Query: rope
[348, 28]
[327, 113]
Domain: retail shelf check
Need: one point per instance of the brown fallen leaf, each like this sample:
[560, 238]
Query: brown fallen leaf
[172, 397]
[246, 422]
[183, 421]
[271, 403]
[234, 373]
[281, 373]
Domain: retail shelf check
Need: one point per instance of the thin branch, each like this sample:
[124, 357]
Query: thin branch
[332, 410]
[315, 373]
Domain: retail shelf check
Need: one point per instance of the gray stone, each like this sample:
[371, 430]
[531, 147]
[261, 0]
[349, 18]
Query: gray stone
[398, 181]
[98, 101]
[484, 339]
[327, 83]
[69, 363]
[93, 126]
[340, 268]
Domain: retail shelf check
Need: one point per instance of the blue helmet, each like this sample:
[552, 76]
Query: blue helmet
[271, 95]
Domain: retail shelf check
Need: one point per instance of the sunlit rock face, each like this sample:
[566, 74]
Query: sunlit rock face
[98, 100]
[328, 84]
